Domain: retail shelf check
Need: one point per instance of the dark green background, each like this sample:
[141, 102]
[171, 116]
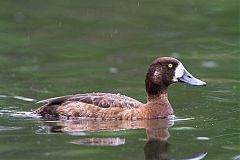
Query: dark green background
[56, 47]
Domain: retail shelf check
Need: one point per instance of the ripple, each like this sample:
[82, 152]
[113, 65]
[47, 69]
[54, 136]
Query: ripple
[237, 157]
[181, 119]
[100, 141]
[12, 112]
[183, 128]
[233, 147]
[217, 99]
[6, 111]
[203, 138]
[7, 128]
[3, 96]
[43, 130]
[222, 91]
[77, 133]
[19, 98]
[25, 115]
[24, 98]
[199, 156]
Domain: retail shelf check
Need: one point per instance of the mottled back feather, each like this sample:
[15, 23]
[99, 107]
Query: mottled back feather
[104, 100]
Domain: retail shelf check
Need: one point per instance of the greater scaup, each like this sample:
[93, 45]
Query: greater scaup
[161, 73]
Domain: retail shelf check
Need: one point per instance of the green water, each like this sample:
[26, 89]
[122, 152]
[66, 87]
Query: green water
[52, 48]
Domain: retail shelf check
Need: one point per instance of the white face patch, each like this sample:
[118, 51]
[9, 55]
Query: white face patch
[156, 75]
[179, 71]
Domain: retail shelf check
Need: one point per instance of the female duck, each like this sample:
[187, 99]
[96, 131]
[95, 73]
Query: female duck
[161, 73]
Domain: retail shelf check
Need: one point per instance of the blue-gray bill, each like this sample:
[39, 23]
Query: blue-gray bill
[189, 79]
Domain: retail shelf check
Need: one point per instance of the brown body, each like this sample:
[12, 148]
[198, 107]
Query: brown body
[117, 109]
[115, 106]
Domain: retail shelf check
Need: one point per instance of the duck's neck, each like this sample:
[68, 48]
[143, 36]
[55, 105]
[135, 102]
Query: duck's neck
[160, 97]
[161, 104]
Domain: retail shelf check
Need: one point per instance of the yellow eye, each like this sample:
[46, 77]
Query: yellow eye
[170, 65]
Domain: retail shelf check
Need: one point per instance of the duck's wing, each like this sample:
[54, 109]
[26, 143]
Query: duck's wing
[104, 100]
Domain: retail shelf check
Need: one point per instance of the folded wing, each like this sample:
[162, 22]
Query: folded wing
[104, 100]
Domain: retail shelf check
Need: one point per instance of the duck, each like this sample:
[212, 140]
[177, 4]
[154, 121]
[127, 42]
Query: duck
[161, 73]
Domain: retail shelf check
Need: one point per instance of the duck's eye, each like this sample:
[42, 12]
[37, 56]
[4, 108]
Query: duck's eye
[170, 65]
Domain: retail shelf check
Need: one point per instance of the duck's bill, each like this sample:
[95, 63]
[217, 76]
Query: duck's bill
[189, 79]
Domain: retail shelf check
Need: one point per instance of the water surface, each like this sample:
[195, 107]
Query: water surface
[52, 48]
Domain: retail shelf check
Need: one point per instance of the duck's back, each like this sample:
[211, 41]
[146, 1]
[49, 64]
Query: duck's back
[94, 105]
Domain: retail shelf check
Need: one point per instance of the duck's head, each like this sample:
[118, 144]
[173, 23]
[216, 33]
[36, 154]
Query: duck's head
[165, 71]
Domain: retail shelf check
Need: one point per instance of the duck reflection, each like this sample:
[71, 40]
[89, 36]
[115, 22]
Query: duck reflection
[157, 144]
[157, 133]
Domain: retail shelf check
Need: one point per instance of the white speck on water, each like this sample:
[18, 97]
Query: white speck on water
[46, 154]
[209, 64]
[203, 138]
[183, 128]
[77, 134]
[143, 139]
[113, 70]
[3, 96]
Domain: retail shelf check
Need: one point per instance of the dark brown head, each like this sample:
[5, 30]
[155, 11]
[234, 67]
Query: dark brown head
[165, 71]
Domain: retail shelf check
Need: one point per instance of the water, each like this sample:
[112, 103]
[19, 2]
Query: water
[54, 48]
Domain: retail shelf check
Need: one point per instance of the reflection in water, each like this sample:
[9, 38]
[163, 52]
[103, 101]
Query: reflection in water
[76, 126]
[156, 147]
